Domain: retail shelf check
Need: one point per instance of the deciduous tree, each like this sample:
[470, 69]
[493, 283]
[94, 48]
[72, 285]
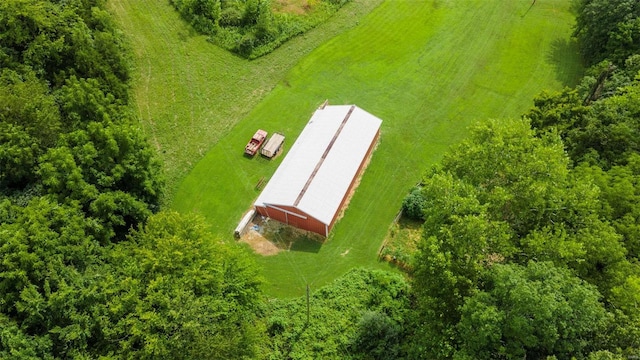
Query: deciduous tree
[176, 292]
[534, 312]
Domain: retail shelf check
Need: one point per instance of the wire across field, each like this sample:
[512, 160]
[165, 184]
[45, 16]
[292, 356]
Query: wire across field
[428, 69]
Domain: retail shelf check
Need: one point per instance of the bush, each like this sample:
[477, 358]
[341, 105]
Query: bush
[413, 205]
[231, 15]
[377, 337]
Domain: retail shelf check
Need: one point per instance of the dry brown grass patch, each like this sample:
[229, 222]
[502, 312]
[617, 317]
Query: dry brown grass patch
[295, 7]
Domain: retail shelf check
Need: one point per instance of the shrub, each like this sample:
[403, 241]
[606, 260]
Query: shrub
[413, 205]
[377, 337]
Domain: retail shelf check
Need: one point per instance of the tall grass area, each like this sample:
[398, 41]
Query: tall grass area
[190, 93]
[428, 69]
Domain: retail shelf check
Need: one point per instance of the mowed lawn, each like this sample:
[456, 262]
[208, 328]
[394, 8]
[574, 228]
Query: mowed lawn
[428, 69]
[189, 93]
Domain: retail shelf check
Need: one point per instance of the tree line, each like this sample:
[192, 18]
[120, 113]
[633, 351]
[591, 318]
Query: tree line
[531, 226]
[88, 266]
[250, 28]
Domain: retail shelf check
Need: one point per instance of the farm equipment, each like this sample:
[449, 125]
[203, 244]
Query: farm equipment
[255, 142]
[273, 145]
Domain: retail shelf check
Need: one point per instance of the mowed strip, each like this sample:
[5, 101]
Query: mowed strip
[428, 69]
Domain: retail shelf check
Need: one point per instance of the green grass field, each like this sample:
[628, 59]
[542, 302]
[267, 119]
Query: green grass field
[189, 93]
[427, 68]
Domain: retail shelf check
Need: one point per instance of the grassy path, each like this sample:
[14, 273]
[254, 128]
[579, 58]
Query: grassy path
[427, 68]
[189, 93]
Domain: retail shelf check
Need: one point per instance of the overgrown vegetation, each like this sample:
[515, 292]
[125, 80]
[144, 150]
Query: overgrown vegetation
[251, 28]
[67, 130]
[401, 243]
[86, 270]
[509, 200]
[519, 234]
[362, 315]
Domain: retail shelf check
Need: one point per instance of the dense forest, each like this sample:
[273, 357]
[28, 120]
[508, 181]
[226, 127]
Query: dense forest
[86, 269]
[530, 246]
[531, 226]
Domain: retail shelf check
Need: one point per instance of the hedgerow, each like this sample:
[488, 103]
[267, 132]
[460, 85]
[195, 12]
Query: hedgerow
[250, 28]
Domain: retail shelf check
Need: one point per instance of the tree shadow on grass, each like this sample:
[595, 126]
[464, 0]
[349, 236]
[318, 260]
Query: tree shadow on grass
[186, 33]
[563, 56]
[306, 244]
[289, 238]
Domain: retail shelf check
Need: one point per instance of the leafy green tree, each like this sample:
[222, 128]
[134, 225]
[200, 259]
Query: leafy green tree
[607, 29]
[505, 195]
[82, 101]
[264, 20]
[605, 355]
[447, 269]
[560, 111]
[603, 133]
[110, 170]
[525, 181]
[377, 337]
[56, 42]
[18, 156]
[460, 240]
[16, 345]
[174, 292]
[203, 15]
[26, 102]
[522, 179]
[414, 204]
[620, 198]
[534, 312]
[46, 249]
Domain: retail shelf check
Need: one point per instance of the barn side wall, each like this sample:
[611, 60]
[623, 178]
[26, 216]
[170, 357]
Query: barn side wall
[365, 159]
[310, 223]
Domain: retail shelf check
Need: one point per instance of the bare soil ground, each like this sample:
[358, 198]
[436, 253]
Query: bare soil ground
[269, 237]
[296, 7]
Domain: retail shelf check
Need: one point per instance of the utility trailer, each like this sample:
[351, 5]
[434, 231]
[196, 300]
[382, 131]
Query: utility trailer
[256, 141]
[273, 145]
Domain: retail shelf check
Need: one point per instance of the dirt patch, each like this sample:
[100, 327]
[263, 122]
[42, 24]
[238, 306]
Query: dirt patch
[259, 243]
[294, 7]
[268, 237]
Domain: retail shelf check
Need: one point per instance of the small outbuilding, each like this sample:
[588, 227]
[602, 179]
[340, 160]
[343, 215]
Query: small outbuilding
[313, 182]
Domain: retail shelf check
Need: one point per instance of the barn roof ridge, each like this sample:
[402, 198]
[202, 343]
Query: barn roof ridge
[323, 157]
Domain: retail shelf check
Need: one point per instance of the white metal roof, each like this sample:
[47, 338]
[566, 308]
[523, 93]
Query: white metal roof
[315, 184]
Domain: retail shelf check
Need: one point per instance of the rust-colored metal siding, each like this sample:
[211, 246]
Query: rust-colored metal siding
[294, 217]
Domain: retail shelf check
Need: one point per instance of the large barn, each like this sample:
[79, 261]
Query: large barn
[313, 181]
